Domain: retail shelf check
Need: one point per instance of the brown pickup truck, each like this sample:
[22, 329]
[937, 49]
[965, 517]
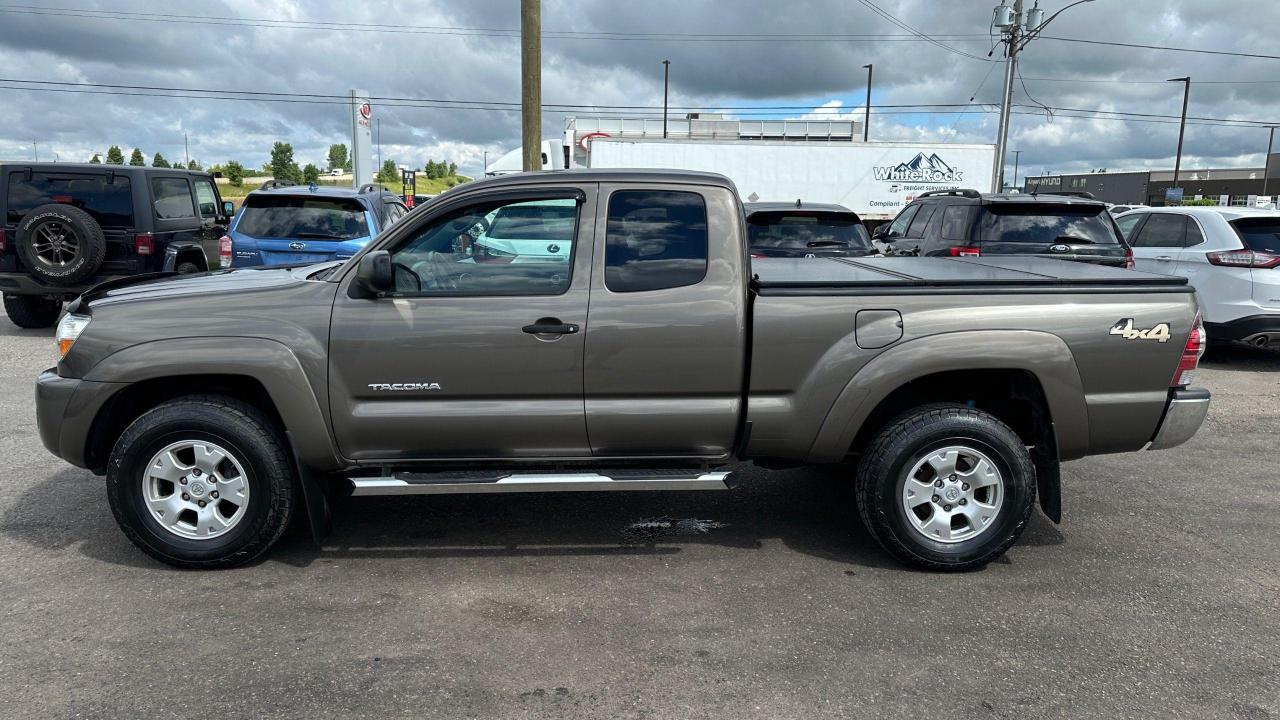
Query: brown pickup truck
[607, 331]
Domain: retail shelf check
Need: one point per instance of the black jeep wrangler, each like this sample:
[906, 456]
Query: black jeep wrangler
[67, 227]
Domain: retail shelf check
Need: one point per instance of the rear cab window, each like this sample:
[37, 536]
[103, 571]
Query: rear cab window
[655, 240]
[1259, 234]
[108, 198]
[303, 216]
[1045, 223]
[801, 230]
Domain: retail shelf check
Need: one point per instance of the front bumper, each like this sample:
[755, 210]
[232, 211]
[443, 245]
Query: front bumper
[1183, 416]
[65, 411]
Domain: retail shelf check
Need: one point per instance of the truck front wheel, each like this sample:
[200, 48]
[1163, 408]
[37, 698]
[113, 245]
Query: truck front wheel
[946, 487]
[202, 482]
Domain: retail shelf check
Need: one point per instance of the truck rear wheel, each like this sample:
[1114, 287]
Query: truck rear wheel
[32, 311]
[946, 487]
[202, 482]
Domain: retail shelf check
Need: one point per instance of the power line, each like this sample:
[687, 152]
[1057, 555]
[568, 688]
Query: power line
[1161, 47]
[1126, 81]
[888, 16]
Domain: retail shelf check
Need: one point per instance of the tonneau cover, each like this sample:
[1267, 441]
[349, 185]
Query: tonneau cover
[776, 275]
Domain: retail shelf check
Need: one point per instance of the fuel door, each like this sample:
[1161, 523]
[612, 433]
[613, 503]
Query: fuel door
[877, 328]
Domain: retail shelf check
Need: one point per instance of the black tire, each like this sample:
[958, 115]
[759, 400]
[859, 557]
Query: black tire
[61, 267]
[913, 436]
[32, 311]
[240, 428]
[188, 268]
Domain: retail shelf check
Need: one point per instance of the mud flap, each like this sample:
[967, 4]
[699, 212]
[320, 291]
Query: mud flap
[1048, 473]
[314, 501]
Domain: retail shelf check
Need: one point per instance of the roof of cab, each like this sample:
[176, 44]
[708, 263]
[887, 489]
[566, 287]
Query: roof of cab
[755, 207]
[1227, 212]
[602, 175]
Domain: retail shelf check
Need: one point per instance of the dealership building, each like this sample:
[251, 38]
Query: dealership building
[1229, 186]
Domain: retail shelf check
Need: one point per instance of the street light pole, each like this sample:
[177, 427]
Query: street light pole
[1266, 161]
[866, 121]
[1016, 155]
[666, 84]
[1182, 125]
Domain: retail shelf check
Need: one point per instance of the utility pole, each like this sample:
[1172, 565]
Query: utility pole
[666, 84]
[186, 154]
[531, 83]
[866, 117]
[1182, 126]
[1016, 155]
[35, 151]
[378, 142]
[486, 162]
[1266, 161]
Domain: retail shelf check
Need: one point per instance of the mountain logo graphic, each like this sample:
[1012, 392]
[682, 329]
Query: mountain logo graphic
[921, 168]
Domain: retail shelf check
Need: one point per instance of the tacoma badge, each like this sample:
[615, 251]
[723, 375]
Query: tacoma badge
[404, 386]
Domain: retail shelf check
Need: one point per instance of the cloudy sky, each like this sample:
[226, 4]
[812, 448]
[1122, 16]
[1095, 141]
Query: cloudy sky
[785, 59]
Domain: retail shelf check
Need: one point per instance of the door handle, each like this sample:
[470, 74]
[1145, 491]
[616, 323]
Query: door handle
[550, 326]
[1164, 257]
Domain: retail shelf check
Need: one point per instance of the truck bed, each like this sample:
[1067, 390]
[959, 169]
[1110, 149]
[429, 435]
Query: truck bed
[889, 275]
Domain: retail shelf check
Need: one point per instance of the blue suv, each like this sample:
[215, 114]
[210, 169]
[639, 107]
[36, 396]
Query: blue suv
[282, 224]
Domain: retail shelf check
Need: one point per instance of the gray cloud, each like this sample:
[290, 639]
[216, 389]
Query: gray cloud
[628, 72]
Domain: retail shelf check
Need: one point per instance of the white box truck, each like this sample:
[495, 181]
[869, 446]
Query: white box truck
[873, 179]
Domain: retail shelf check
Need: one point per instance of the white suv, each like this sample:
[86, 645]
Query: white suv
[1231, 255]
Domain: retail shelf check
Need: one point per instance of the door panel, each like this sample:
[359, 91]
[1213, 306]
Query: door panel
[1158, 243]
[450, 373]
[665, 366]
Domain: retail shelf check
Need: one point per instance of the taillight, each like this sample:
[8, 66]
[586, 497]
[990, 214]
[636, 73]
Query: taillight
[2, 240]
[1129, 262]
[144, 243]
[964, 251]
[224, 251]
[1196, 343]
[1244, 258]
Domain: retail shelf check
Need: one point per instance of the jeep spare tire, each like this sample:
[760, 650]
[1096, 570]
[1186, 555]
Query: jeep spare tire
[61, 244]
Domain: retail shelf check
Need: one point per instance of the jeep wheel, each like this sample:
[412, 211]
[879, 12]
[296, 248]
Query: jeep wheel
[202, 482]
[188, 268]
[32, 311]
[946, 487]
[61, 244]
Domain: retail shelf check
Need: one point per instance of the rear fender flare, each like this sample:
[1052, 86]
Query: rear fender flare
[269, 362]
[1044, 355]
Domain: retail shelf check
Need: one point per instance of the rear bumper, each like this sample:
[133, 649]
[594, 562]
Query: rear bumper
[1183, 416]
[23, 284]
[1247, 329]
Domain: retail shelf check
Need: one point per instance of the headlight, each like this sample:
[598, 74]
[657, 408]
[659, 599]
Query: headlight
[68, 330]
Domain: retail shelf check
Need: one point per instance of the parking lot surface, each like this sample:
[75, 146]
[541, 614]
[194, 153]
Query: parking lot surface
[1158, 596]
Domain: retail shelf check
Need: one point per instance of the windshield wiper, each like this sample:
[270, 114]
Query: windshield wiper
[826, 243]
[324, 236]
[1074, 239]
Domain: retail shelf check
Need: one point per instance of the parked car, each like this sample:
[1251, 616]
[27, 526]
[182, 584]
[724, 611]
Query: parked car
[283, 224]
[805, 230]
[1117, 209]
[1231, 255]
[966, 223]
[648, 357]
[336, 172]
[66, 227]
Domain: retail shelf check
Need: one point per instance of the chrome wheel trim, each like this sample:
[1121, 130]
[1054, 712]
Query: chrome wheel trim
[195, 489]
[952, 494]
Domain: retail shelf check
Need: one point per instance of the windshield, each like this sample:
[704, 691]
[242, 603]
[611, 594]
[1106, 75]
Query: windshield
[281, 216]
[800, 230]
[1259, 234]
[1047, 224]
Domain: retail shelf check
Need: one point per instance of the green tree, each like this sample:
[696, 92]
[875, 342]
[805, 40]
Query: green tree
[159, 161]
[338, 156]
[96, 159]
[115, 156]
[193, 165]
[234, 172]
[283, 166]
[388, 173]
[453, 169]
[136, 159]
[1201, 201]
[310, 174]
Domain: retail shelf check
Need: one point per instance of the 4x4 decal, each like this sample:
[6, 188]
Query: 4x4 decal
[1125, 329]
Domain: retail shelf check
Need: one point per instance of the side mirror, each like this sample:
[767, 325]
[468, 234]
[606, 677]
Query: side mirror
[228, 208]
[881, 232]
[373, 275]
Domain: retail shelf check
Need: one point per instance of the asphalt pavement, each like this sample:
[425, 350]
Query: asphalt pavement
[1157, 597]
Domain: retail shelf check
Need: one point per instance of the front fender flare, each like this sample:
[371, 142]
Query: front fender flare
[271, 363]
[1044, 355]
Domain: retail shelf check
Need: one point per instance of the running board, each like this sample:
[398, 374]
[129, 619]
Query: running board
[455, 483]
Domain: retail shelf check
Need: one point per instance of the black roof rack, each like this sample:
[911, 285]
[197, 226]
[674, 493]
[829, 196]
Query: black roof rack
[371, 187]
[273, 184]
[1072, 193]
[957, 192]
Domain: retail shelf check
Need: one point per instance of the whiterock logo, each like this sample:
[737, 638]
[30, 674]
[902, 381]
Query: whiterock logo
[921, 169]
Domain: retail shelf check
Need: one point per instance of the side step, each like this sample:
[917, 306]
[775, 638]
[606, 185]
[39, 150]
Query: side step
[471, 482]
